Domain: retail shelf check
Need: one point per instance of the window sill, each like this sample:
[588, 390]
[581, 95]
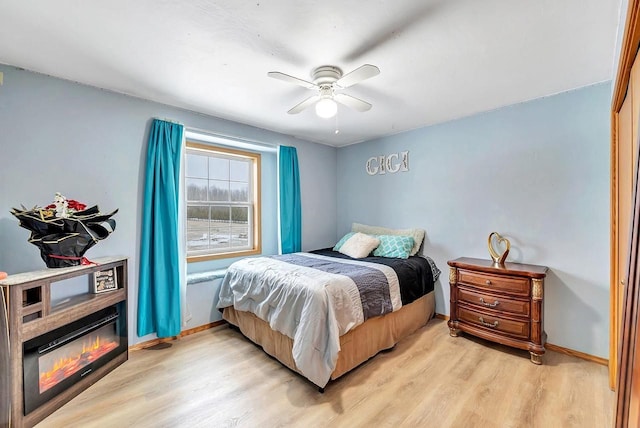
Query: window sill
[243, 253]
[195, 278]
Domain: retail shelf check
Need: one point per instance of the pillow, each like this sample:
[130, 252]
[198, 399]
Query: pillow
[397, 246]
[359, 245]
[343, 240]
[417, 234]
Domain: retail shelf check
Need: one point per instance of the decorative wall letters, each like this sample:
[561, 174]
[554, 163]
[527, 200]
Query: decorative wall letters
[395, 162]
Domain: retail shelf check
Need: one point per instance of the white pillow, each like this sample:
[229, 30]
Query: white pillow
[417, 234]
[359, 245]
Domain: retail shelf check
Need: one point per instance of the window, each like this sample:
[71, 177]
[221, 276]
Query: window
[222, 201]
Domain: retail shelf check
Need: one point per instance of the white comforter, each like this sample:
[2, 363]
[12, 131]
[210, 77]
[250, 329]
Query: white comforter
[312, 307]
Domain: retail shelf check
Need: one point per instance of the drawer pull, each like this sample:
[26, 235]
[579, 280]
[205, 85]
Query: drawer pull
[486, 324]
[489, 305]
[488, 282]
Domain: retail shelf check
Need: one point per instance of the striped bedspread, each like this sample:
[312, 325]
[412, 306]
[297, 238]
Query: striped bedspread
[313, 299]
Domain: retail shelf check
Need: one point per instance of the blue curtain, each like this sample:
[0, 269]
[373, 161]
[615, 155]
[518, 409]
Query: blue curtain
[159, 282]
[290, 208]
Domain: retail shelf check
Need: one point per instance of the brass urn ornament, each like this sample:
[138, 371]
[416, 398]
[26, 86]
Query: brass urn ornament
[500, 242]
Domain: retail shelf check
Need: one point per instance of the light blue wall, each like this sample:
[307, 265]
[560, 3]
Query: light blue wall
[90, 145]
[536, 172]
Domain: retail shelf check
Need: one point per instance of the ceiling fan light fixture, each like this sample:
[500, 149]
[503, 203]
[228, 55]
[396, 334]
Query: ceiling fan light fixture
[326, 108]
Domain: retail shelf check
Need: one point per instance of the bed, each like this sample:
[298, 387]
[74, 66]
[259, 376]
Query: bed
[323, 313]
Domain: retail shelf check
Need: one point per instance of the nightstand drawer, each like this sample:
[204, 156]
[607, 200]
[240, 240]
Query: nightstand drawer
[492, 301]
[518, 329]
[508, 284]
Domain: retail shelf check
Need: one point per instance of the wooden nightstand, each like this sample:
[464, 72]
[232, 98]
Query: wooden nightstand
[501, 303]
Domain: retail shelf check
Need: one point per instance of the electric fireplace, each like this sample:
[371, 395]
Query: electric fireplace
[63, 336]
[58, 359]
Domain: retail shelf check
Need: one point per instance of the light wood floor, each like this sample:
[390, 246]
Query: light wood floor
[217, 378]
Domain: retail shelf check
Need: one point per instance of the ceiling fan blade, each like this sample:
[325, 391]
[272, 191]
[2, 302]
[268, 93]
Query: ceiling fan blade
[291, 79]
[353, 102]
[358, 75]
[304, 104]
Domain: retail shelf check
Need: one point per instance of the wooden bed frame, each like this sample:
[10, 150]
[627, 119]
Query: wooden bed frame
[356, 346]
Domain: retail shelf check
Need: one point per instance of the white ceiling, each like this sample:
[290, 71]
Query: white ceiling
[439, 59]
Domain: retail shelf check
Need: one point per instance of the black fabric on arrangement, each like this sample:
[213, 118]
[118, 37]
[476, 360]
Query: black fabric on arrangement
[414, 273]
[63, 241]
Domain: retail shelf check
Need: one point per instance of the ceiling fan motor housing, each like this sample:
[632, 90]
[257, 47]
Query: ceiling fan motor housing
[326, 75]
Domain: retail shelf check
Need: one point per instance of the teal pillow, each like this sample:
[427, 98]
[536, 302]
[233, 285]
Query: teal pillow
[343, 240]
[396, 246]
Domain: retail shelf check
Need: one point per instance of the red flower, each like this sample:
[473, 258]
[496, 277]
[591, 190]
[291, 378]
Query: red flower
[75, 205]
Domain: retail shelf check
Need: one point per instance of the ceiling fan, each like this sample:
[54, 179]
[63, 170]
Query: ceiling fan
[326, 80]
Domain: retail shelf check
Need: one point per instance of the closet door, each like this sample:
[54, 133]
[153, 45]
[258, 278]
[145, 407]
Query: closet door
[624, 355]
[625, 193]
[628, 394]
[622, 193]
[625, 130]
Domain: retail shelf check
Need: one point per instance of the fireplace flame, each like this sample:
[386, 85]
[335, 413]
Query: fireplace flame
[68, 365]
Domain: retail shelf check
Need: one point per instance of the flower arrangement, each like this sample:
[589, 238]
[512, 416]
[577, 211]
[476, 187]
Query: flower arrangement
[65, 229]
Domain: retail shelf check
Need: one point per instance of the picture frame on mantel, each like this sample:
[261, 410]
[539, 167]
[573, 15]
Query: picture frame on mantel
[105, 280]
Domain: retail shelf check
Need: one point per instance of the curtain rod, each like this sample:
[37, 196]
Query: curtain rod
[169, 120]
[229, 137]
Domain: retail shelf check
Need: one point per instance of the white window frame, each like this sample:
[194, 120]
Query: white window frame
[254, 221]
